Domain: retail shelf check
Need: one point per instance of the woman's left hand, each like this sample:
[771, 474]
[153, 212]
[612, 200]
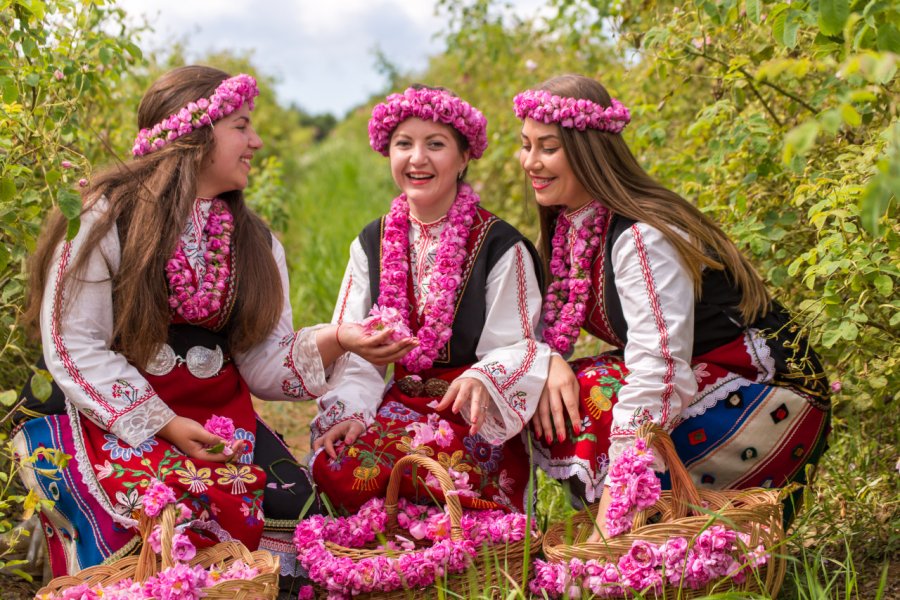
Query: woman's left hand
[376, 348]
[467, 390]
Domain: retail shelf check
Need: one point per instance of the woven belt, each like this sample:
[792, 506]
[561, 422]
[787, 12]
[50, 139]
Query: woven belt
[202, 362]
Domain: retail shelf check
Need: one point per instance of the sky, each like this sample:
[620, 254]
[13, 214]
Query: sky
[320, 52]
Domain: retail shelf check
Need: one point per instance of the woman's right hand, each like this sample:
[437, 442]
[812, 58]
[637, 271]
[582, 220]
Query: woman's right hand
[560, 396]
[346, 431]
[376, 348]
[190, 437]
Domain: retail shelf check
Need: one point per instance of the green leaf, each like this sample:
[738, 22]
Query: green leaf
[753, 11]
[874, 203]
[799, 140]
[7, 189]
[41, 385]
[832, 16]
[72, 229]
[33, 79]
[69, 203]
[884, 285]
[106, 55]
[888, 38]
[217, 448]
[52, 177]
[848, 330]
[850, 115]
[9, 90]
[8, 398]
[830, 338]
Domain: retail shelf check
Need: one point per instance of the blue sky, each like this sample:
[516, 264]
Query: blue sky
[319, 51]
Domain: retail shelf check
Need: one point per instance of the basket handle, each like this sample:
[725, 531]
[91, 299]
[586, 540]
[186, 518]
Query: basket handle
[146, 565]
[435, 468]
[684, 492]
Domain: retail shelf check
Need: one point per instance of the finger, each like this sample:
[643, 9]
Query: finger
[317, 443]
[448, 398]
[570, 395]
[536, 418]
[351, 436]
[463, 395]
[558, 413]
[544, 415]
[329, 447]
[379, 339]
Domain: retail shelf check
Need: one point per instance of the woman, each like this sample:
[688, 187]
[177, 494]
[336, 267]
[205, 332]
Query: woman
[464, 283]
[700, 347]
[168, 307]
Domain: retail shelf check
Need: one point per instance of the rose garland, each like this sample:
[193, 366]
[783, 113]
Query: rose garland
[572, 113]
[633, 487]
[446, 277]
[196, 305]
[228, 97]
[343, 577]
[565, 303]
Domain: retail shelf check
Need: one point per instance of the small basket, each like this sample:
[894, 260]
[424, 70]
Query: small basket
[754, 511]
[496, 568]
[147, 564]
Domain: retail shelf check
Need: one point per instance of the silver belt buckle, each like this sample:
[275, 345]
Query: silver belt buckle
[201, 361]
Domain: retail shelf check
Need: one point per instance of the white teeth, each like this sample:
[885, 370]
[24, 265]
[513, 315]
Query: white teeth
[417, 176]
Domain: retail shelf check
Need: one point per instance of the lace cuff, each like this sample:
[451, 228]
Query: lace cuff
[307, 362]
[142, 422]
[494, 428]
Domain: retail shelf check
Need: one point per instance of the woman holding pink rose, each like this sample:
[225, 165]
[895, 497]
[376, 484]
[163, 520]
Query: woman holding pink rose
[465, 284]
[166, 311]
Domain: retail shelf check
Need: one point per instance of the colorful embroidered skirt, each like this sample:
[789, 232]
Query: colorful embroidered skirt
[103, 483]
[487, 476]
[738, 433]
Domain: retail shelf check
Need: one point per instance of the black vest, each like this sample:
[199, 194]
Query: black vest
[489, 240]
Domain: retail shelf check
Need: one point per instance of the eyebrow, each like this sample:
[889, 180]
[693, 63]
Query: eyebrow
[549, 136]
[242, 118]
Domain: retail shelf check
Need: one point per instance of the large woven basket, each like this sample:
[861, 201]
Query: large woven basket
[143, 566]
[495, 569]
[684, 512]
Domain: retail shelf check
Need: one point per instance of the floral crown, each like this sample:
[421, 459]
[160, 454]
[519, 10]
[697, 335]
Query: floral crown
[228, 97]
[429, 105]
[577, 113]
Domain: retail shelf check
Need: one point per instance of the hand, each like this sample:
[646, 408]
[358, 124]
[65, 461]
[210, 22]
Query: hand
[560, 394]
[192, 439]
[377, 348]
[346, 431]
[600, 520]
[467, 390]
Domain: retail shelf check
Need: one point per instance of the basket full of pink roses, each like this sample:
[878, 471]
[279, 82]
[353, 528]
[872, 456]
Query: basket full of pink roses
[396, 549]
[679, 544]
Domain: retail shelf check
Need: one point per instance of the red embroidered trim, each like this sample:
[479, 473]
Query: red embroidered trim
[340, 318]
[287, 384]
[653, 296]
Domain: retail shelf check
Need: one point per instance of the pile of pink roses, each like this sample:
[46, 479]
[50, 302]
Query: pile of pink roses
[179, 582]
[410, 566]
[716, 553]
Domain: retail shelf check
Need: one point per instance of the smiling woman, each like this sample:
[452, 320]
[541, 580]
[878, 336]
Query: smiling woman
[466, 284]
[169, 307]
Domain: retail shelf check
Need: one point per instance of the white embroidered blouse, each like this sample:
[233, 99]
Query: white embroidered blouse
[512, 364]
[102, 385]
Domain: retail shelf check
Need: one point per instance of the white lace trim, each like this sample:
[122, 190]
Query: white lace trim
[143, 422]
[760, 355]
[307, 361]
[281, 543]
[565, 468]
[87, 471]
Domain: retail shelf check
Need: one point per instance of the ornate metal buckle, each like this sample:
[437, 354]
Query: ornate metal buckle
[202, 362]
[414, 387]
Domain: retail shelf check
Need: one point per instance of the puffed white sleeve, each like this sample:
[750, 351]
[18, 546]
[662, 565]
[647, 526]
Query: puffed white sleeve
[512, 363]
[356, 386]
[77, 337]
[657, 297]
[286, 365]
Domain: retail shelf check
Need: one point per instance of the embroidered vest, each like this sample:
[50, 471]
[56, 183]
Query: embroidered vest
[489, 240]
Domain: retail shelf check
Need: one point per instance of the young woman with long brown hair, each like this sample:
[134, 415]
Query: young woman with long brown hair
[700, 347]
[168, 307]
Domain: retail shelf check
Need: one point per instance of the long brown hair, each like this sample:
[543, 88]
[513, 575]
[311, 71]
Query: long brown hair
[606, 168]
[149, 201]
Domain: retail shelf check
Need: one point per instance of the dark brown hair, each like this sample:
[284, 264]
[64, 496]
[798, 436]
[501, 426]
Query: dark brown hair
[149, 201]
[608, 171]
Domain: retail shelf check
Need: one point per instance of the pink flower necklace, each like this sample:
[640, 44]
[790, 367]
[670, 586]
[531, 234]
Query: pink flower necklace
[445, 279]
[565, 304]
[185, 298]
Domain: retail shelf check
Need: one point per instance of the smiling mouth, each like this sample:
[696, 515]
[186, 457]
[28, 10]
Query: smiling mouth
[539, 183]
[420, 178]
[245, 160]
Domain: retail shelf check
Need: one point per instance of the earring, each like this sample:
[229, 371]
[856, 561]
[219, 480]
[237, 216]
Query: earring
[459, 175]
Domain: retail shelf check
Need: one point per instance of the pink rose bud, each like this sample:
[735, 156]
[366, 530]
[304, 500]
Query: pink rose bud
[66, 164]
[58, 75]
[836, 386]
[82, 182]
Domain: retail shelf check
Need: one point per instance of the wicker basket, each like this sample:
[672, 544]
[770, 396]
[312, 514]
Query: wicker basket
[755, 511]
[499, 568]
[143, 566]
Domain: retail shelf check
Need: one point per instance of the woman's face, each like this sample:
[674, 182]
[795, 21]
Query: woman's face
[426, 162]
[227, 167]
[544, 160]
